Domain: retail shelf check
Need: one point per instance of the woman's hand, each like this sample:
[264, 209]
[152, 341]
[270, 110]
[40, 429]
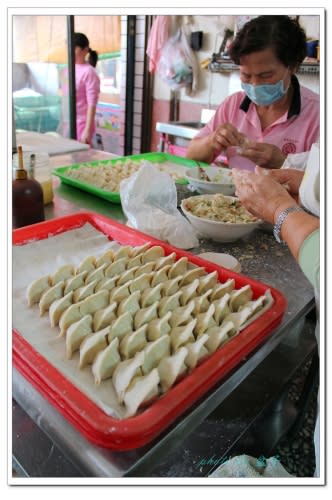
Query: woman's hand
[85, 137]
[288, 177]
[226, 135]
[264, 155]
[261, 194]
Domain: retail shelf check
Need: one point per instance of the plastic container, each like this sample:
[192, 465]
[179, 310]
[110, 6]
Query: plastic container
[235, 160]
[42, 172]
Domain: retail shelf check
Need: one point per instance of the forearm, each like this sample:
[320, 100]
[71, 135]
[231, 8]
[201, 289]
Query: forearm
[90, 118]
[201, 149]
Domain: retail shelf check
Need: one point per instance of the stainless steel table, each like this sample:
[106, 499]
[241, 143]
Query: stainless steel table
[240, 406]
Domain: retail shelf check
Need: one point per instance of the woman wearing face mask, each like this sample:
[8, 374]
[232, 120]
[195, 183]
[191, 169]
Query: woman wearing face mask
[274, 116]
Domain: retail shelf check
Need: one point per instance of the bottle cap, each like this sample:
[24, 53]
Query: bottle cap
[20, 173]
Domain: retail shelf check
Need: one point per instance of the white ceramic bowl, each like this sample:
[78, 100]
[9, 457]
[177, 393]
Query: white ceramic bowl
[215, 230]
[222, 259]
[221, 180]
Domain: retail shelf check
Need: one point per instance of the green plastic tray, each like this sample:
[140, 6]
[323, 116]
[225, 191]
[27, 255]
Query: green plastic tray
[113, 196]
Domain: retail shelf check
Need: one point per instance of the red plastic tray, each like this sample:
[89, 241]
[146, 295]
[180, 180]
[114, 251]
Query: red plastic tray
[136, 431]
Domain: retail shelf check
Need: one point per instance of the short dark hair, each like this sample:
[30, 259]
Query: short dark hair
[283, 34]
[81, 40]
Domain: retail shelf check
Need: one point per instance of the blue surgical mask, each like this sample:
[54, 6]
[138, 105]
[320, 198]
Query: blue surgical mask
[264, 95]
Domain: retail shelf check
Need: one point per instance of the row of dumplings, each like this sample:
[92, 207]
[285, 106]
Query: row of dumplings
[147, 331]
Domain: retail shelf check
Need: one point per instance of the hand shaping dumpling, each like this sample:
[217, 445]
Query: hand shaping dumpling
[50, 295]
[171, 367]
[133, 342]
[37, 288]
[91, 345]
[124, 372]
[154, 352]
[141, 390]
[58, 307]
[105, 362]
[76, 333]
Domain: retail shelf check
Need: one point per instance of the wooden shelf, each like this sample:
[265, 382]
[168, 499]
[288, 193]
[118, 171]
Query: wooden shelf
[225, 66]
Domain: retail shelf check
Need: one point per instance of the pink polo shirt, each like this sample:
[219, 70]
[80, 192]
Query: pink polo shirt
[294, 132]
[87, 92]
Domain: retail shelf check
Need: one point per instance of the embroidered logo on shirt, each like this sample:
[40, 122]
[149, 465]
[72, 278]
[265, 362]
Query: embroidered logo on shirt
[289, 148]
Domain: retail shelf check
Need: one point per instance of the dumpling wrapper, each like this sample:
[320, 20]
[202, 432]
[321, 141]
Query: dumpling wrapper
[105, 258]
[97, 301]
[151, 295]
[124, 372]
[145, 315]
[105, 362]
[192, 274]
[140, 283]
[189, 292]
[117, 267]
[221, 308]
[219, 335]
[141, 390]
[76, 333]
[62, 274]
[169, 303]
[196, 351]
[96, 275]
[133, 342]
[171, 368]
[159, 327]
[154, 352]
[170, 287]
[49, 296]
[104, 317]
[181, 315]
[145, 269]
[36, 289]
[122, 325]
[207, 282]
[165, 261]
[179, 268]
[58, 307]
[126, 276]
[220, 289]
[84, 291]
[201, 303]
[69, 316]
[75, 282]
[107, 284]
[160, 276]
[91, 345]
[240, 297]
[152, 254]
[205, 320]
[130, 304]
[88, 264]
[181, 335]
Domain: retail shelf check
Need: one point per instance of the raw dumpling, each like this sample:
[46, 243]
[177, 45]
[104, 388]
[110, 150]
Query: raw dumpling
[207, 282]
[69, 316]
[91, 304]
[171, 286]
[37, 288]
[158, 327]
[126, 276]
[134, 262]
[76, 333]
[154, 352]
[122, 252]
[169, 303]
[91, 345]
[165, 261]
[96, 275]
[147, 268]
[145, 315]
[117, 267]
[196, 351]
[63, 273]
[130, 304]
[220, 289]
[180, 335]
[107, 284]
[104, 317]
[171, 368]
[205, 320]
[181, 315]
[105, 362]
[160, 276]
[141, 282]
[240, 297]
[84, 292]
[50, 295]
[120, 292]
[124, 372]
[58, 307]
[189, 292]
[75, 282]
[106, 258]
[201, 303]
[141, 390]
[88, 264]
[139, 250]
[133, 342]
[238, 318]
[152, 254]
[151, 295]
[193, 274]
[221, 308]
[178, 268]
[219, 335]
[122, 325]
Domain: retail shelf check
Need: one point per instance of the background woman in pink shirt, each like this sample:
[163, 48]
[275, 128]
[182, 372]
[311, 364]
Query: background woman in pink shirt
[274, 113]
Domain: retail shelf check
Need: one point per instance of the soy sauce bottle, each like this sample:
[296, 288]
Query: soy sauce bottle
[28, 203]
